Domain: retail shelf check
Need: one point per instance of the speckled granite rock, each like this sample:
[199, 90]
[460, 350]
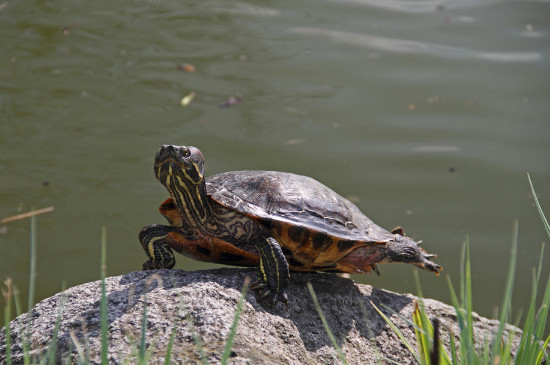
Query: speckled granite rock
[202, 304]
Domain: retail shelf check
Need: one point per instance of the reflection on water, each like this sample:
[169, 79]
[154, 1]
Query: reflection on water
[427, 114]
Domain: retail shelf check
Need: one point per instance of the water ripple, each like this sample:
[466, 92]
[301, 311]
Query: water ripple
[236, 8]
[419, 6]
[416, 47]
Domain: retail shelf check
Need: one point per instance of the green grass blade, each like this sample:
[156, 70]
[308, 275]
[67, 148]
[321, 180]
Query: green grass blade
[371, 335]
[8, 293]
[425, 335]
[468, 305]
[32, 280]
[143, 343]
[543, 311]
[423, 330]
[542, 352]
[505, 308]
[103, 304]
[539, 208]
[542, 316]
[32, 268]
[422, 333]
[418, 286]
[539, 352]
[68, 358]
[79, 349]
[527, 348]
[25, 340]
[233, 329]
[467, 332]
[454, 357]
[325, 324]
[462, 274]
[465, 346]
[506, 354]
[398, 333]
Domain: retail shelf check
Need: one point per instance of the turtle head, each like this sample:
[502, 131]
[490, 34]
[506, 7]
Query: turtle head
[179, 165]
[407, 250]
[181, 170]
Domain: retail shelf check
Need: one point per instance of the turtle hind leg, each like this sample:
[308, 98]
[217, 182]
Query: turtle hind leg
[273, 273]
[153, 241]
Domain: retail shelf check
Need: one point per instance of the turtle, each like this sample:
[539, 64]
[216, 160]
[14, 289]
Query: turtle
[275, 221]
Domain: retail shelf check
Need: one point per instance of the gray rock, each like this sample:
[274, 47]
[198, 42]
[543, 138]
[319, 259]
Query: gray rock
[202, 305]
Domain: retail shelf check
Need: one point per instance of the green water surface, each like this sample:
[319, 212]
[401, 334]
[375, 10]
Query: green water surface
[426, 114]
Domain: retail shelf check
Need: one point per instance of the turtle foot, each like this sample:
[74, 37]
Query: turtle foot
[266, 295]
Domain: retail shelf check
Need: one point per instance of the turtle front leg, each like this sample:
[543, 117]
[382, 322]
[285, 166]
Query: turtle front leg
[153, 240]
[273, 274]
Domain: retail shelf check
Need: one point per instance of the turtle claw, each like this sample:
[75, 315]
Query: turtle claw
[267, 295]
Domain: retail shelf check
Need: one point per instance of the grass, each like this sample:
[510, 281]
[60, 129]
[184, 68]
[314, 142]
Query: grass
[143, 354]
[533, 346]
[428, 350]
[498, 349]
[103, 308]
[325, 324]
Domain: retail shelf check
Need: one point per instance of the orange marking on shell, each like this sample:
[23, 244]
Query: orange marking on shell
[305, 252]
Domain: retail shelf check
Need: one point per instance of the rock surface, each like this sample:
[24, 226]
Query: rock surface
[202, 305]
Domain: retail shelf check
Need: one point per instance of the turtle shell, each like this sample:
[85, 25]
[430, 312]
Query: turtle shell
[315, 226]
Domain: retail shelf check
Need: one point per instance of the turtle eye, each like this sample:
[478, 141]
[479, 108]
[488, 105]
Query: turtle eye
[408, 252]
[185, 152]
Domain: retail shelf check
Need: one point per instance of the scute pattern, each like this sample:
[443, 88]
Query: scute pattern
[294, 199]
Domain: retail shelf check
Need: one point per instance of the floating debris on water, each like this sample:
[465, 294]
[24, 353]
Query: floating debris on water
[188, 98]
[234, 100]
[187, 67]
[295, 141]
[433, 99]
[27, 215]
[68, 29]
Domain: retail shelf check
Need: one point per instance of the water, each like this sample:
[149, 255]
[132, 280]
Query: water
[427, 114]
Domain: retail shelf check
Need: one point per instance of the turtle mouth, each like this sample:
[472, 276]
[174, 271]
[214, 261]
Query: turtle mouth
[428, 265]
[169, 163]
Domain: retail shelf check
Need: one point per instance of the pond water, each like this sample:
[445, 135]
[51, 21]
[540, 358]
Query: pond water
[427, 114]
